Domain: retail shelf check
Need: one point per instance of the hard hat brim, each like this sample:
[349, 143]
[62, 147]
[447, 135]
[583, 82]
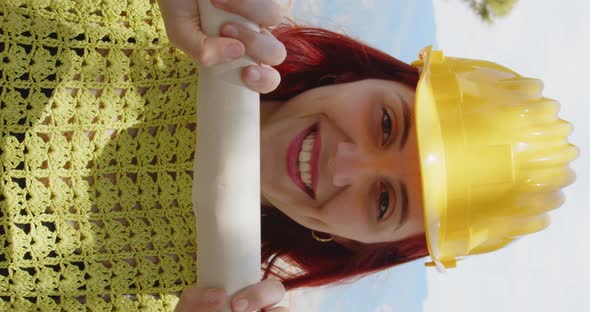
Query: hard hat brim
[432, 159]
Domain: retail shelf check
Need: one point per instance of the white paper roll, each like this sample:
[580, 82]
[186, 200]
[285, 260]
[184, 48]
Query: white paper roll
[226, 188]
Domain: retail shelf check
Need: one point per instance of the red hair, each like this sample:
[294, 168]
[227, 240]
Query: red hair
[317, 57]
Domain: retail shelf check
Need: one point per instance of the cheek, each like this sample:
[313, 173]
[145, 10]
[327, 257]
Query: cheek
[346, 214]
[312, 103]
[347, 109]
[354, 117]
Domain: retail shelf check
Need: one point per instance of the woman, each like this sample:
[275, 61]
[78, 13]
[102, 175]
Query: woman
[282, 120]
[342, 118]
[96, 168]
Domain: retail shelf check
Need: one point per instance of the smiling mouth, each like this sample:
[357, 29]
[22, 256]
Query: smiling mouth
[302, 158]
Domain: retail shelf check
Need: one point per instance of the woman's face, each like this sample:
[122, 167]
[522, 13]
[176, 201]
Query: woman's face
[343, 159]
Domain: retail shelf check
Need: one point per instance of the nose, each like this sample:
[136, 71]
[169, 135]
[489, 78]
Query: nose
[349, 163]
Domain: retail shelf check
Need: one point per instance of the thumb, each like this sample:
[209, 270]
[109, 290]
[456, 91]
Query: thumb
[182, 22]
[201, 299]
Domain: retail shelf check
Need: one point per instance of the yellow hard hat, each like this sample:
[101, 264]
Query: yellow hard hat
[494, 155]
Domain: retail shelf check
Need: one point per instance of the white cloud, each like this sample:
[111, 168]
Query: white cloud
[549, 40]
[306, 300]
[384, 308]
[368, 4]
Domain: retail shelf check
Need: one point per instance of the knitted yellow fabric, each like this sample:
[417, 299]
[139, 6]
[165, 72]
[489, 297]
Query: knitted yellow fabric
[97, 132]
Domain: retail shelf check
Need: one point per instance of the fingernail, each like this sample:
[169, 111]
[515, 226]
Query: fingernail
[253, 74]
[221, 1]
[233, 51]
[230, 31]
[214, 296]
[240, 305]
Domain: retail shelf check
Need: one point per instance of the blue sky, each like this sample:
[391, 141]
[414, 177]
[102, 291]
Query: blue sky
[546, 39]
[400, 27]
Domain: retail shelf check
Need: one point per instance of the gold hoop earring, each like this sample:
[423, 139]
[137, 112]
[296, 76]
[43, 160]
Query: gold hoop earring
[321, 240]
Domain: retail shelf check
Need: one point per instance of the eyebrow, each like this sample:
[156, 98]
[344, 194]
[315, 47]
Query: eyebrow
[407, 122]
[404, 206]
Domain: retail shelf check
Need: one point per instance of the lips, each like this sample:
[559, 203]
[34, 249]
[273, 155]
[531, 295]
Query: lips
[293, 152]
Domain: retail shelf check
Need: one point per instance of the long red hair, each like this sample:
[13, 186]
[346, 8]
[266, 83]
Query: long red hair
[317, 57]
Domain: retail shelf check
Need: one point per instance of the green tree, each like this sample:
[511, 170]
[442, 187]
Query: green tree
[488, 10]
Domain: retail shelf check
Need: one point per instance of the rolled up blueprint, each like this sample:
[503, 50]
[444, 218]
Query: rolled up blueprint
[226, 188]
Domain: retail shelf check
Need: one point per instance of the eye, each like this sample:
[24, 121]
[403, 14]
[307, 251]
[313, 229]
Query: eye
[383, 203]
[386, 126]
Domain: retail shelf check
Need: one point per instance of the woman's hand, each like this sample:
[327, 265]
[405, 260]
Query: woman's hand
[262, 295]
[182, 21]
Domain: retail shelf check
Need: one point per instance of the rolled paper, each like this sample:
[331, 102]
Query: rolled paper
[226, 188]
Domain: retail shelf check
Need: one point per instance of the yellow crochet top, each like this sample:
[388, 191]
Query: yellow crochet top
[97, 133]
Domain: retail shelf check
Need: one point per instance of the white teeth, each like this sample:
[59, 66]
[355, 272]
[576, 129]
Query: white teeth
[304, 167]
[306, 177]
[305, 158]
[307, 145]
